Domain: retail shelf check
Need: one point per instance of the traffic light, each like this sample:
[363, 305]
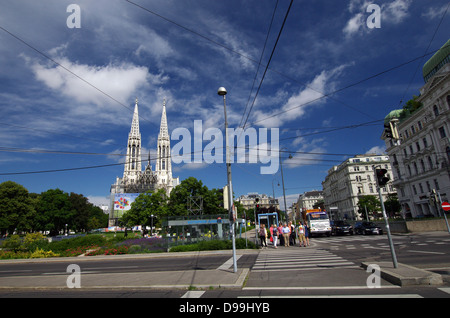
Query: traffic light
[388, 131]
[257, 204]
[382, 178]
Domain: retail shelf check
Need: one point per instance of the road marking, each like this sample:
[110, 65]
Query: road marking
[193, 294]
[426, 252]
[316, 288]
[342, 296]
[228, 263]
[445, 289]
[17, 271]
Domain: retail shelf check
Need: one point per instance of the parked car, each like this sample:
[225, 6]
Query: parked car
[341, 228]
[367, 228]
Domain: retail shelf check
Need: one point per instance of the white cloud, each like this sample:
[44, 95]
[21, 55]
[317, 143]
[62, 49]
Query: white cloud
[297, 105]
[434, 12]
[391, 13]
[116, 80]
[377, 150]
[354, 24]
[99, 200]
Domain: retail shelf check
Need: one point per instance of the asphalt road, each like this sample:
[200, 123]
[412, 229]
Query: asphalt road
[328, 268]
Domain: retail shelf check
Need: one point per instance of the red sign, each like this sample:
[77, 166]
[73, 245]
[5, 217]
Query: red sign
[446, 206]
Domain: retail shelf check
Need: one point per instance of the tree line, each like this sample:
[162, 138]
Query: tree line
[53, 211]
[157, 203]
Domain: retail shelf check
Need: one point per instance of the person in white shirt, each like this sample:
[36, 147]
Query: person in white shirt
[286, 231]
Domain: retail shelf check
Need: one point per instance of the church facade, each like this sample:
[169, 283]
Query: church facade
[135, 180]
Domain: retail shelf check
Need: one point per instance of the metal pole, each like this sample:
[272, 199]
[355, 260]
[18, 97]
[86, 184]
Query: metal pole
[391, 244]
[445, 216]
[284, 193]
[223, 92]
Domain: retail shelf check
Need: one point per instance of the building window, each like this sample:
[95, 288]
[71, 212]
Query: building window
[414, 189]
[425, 143]
[413, 130]
[442, 132]
[448, 153]
[436, 111]
[436, 184]
[430, 163]
[419, 123]
[448, 101]
[418, 146]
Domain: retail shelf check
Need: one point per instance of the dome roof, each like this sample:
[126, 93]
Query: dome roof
[393, 114]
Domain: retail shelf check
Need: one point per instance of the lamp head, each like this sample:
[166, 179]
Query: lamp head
[222, 91]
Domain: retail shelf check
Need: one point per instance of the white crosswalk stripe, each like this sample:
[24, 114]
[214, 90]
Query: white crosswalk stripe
[296, 258]
[340, 239]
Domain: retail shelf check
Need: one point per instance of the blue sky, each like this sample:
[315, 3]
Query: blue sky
[80, 111]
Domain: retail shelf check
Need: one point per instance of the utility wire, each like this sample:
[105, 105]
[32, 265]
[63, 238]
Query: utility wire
[268, 63]
[68, 70]
[259, 64]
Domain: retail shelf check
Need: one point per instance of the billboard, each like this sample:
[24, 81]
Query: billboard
[122, 203]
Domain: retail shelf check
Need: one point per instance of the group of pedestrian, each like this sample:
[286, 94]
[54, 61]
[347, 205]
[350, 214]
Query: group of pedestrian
[285, 233]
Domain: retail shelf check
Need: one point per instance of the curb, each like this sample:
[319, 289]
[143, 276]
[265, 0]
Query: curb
[406, 275]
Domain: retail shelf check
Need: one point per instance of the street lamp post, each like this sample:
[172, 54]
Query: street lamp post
[222, 92]
[282, 181]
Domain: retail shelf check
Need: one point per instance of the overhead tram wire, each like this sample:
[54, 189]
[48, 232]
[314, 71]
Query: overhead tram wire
[268, 63]
[69, 71]
[328, 95]
[345, 87]
[259, 64]
[429, 44]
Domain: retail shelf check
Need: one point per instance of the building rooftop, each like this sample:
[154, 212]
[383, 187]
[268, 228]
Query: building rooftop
[439, 59]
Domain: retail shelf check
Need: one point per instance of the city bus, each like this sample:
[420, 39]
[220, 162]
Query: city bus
[318, 222]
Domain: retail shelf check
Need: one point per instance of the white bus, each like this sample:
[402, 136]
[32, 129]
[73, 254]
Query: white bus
[318, 222]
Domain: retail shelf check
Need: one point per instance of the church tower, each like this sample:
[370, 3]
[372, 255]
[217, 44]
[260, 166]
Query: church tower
[133, 160]
[163, 167]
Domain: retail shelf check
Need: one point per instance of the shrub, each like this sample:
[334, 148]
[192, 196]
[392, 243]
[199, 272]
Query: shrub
[213, 245]
[39, 253]
[13, 255]
[14, 242]
[73, 243]
[145, 245]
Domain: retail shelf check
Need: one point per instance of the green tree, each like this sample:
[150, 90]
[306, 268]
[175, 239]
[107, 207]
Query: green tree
[17, 212]
[369, 202]
[147, 204]
[54, 211]
[83, 212]
[191, 188]
[392, 205]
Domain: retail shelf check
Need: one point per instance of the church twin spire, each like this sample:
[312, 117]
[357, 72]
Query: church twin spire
[163, 168]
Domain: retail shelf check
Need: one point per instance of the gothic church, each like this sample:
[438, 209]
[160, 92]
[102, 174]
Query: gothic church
[134, 179]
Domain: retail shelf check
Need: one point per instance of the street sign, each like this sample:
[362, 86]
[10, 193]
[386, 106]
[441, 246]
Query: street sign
[446, 206]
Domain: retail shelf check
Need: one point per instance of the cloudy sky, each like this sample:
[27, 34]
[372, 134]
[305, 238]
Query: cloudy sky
[67, 91]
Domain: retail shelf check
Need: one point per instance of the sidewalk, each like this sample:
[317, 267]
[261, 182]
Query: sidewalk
[223, 277]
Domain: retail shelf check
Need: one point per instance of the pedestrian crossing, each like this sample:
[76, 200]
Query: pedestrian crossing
[298, 258]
